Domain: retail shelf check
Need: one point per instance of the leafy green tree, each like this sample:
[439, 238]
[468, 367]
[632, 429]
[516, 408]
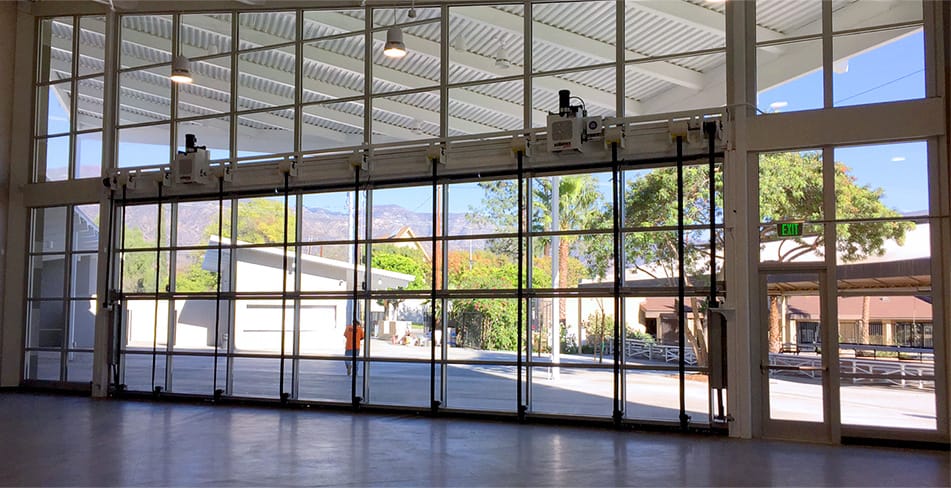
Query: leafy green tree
[402, 259]
[580, 206]
[260, 220]
[138, 267]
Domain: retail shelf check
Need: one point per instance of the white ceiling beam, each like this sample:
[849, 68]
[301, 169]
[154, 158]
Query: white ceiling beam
[586, 46]
[695, 16]
[485, 65]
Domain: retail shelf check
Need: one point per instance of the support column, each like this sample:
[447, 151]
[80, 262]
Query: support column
[16, 80]
[740, 222]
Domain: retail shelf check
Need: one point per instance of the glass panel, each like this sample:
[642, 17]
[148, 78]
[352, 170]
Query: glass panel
[205, 34]
[79, 367]
[47, 324]
[399, 383]
[870, 13]
[890, 402]
[266, 28]
[42, 365]
[580, 258]
[92, 45]
[332, 125]
[195, 325]
[82, 323]
[264, 133]
[402, 266]
[146, 39]
[482, 263]
[792, 306]
[52, 159]
[90, 103]
[409, 117]
[482, 328]
[257, 327]
[650, 30]
[53, 109]
[789, 76]
[780, 18]
[195, 374]
[273, 65]
[881, 66]
[86, 227]
[144, 146]
[482, 387]
[886, 242]
[403, 213]
[655, 395]
[322, 325]
[260, 269]
[323, 23]
[573, 391]
[56, 49]
[197, 271]
[594, 88]
[647, 83]
[198, 223]
[140, 373]
[88, 155]
[329, 217]
[389, 72]
[866, 186]
[334, 68]
[584, 202]
[215, 136]
[325, 380]
[261, 221]
[790, 186]
[471, 57]
[140, 317]
[49, 230]
[84, 271]
[141, 222]
[565, 46]
[144, 95]
[484, 207]
[138, 272]
[210, 90]
[506, 110]
[259, 377]
[653, 257]
[47, 276]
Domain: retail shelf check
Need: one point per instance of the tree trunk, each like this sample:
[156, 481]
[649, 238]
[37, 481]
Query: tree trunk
[863, 326]
[775, 325]
[696, 334]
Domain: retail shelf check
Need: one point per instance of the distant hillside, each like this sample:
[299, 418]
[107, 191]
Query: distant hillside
[318, 224]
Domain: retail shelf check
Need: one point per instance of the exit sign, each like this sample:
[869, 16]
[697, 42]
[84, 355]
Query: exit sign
[790, 229]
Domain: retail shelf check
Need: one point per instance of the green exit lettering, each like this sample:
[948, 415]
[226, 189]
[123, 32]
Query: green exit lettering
[790, 229]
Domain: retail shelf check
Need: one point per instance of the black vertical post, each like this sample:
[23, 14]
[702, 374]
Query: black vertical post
[434, 404]
[711, 130]
[284, 395]
[521, 285]
[116, 311]
[681, 282]
[221, 186]
[158, 276]
[618, 276]
[355, 400]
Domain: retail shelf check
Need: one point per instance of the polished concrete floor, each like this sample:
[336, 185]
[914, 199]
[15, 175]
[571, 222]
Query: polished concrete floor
[59, 440]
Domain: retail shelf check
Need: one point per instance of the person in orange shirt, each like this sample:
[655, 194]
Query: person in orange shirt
[354, 339]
